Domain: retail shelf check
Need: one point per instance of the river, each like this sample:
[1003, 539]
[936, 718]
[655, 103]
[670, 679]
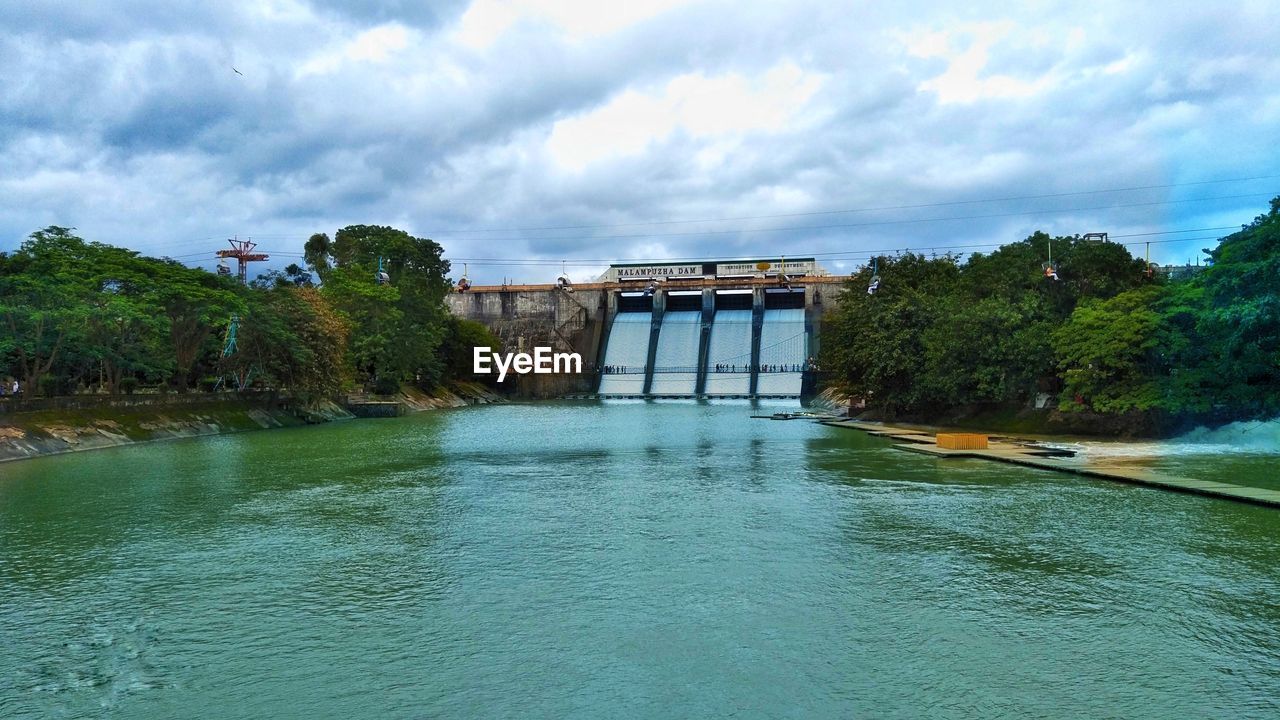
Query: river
[650, 560]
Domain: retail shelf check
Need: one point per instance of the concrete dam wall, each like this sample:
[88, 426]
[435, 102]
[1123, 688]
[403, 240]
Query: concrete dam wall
[690, 340]
[523, 319]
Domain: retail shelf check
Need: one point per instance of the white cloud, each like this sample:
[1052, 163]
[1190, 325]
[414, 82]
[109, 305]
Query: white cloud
[133, 128]
[486, 20]
[964, 80]
[376, 45]
[697, 105]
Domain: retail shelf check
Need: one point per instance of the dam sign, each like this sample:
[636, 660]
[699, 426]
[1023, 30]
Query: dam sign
[658, 271]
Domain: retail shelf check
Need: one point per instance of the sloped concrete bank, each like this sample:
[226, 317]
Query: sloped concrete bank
[411, 400]
[1046, 421]
[83, 426]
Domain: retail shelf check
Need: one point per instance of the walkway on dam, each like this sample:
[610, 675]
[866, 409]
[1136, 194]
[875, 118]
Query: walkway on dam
[691, 283]
[1043, 458]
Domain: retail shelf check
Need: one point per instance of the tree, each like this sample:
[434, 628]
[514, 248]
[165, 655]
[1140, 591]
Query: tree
[43, 300]
[990, 351]
[457, 349]
[194, 302]
[396, 329]
[293, 338]
[1109, 353]
[873, 343]
[939, 334]
[126, 331]
[1238, 318]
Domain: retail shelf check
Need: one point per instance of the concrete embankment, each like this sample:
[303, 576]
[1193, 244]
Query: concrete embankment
[1048, 421]
[408, 401]
[1011, 451]
[75, 424]
[61, 425]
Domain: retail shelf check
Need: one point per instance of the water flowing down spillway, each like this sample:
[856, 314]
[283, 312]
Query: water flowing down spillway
[675, 366]
[729, 354]
[782, 346]
[626, 354]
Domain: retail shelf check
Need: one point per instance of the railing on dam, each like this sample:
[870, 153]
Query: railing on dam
[672, 283]
[682, 369]
[808, 382]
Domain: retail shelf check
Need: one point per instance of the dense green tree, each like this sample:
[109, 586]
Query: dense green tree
[317, 253]
[457, 349]
[874, 342]
[195, 303]
[1110, 353]
[125, 334]
[44, 296]
[77, 314]
[292, 337]
[397, 328]
[1241, 315]
[989, 351]
[975, 334]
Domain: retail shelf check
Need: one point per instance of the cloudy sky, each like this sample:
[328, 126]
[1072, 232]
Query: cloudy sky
[541, 131]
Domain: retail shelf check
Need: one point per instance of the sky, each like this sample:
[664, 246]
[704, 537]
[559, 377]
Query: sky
[532, 136]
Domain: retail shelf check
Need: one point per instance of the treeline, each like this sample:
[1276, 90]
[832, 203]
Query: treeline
[79, 316]
[1107, 336]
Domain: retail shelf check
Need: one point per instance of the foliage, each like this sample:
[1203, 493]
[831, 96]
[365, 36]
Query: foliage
[457, 349]
[45, 293]
[876, 341]
[1238, 317]
[78, 315]
[1109, 353]
[1107, 337]
[294, 338]
[397, 328]
[194, 302]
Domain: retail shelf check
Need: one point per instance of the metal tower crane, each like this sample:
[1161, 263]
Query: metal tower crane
[242, 251]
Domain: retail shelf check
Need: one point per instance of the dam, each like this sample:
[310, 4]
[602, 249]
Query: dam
[725, 329]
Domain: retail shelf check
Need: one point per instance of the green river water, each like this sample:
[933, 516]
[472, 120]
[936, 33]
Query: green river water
[649, 560]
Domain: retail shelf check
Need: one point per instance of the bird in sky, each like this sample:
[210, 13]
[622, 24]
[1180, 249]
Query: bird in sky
[233, 67]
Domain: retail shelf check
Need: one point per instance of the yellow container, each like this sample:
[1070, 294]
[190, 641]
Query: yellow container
[962, 441]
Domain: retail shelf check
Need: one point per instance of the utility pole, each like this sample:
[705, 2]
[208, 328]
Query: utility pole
[242, 251]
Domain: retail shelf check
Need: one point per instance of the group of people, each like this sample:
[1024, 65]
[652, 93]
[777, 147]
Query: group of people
[768, 367]
[781, 368]
[10, 388]
[614, 369]
[763, 367]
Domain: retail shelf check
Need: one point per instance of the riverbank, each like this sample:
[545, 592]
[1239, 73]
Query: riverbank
[1017, 452]
[1045, 422]
[78, 424]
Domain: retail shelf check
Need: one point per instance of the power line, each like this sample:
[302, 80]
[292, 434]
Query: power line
[149, 247]
[586, 262]
[876, 223]
[860, 210]
[837, 256]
